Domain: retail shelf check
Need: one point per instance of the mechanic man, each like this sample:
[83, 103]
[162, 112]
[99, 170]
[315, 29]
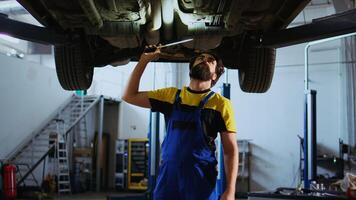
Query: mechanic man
[194, 115]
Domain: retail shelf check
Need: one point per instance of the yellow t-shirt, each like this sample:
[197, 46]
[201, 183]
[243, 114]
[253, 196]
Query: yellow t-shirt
[217, 114]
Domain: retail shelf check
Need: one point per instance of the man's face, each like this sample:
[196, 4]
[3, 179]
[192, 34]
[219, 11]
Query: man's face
[204, 67]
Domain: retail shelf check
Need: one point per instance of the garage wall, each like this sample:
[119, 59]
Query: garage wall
[273, 120]
[30, 93]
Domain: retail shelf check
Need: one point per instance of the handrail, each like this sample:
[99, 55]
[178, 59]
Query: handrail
[82, 115]
[28, 167]
[52, 146]
[35, 165]
[38, 130]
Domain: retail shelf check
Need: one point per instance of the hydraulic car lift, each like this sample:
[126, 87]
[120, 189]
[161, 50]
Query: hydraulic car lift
[31, 32]
[320, 28]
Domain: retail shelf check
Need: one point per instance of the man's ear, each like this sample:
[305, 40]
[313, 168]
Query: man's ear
[214, 77]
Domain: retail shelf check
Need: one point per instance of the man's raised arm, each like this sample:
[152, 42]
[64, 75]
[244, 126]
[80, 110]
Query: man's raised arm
[131, 94]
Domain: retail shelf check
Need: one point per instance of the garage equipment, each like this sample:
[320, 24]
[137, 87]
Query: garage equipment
[62, 159]
[243, 182]
[310, 113]
[132, 164]
[309, 138]
[137, 164]
[121, 165]
[291, 193]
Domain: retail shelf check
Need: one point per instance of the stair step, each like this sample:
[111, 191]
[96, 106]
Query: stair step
[28, 157]
[34, 152]
[47, 139]
[42, 137]
[64, 186]
[42, 144]
[64, 169]
[63, 182]
[76, 111]
[64, 190]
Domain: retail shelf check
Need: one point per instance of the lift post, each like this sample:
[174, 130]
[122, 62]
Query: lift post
[221, 179]
[154, 152]
[310, 135]
[309, 145]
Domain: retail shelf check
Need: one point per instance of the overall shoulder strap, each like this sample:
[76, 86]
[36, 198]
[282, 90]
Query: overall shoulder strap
[177, 99]
[205, 99]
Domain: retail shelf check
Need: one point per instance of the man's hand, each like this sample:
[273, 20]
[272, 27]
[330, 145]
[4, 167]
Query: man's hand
[147, 57]
[228, 195]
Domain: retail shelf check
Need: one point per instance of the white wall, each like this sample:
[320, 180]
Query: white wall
[30, 93]
[274, 119]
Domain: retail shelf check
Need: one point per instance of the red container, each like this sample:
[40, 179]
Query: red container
[9, 181]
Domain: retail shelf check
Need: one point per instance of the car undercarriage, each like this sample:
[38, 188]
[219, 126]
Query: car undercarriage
[115, 32]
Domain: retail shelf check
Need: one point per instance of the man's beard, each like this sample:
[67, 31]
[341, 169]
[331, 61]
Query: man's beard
[200, 72]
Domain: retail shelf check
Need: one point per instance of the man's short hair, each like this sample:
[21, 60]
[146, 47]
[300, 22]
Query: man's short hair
[219, 70]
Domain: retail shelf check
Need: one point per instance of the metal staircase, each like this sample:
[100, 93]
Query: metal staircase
[33, 151]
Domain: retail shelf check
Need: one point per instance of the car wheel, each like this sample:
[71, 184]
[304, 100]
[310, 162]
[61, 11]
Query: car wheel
[74, 69]
[256, 72]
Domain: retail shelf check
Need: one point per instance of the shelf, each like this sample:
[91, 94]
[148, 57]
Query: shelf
[137, 174]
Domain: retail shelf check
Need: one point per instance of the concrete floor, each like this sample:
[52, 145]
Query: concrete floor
[81, 196]
[95, 196]
[92, 196]
[88, 196]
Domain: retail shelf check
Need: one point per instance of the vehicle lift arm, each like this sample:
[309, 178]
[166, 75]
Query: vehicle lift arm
[333, 25]
[31, 32]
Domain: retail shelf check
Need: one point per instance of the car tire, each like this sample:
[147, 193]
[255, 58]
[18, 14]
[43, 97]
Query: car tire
[256, 72]
[73, 66]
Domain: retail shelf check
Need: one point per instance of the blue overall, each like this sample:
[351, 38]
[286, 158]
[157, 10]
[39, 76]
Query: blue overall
[188, 167]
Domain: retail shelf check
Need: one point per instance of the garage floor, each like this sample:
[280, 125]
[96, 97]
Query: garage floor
[92, 196]
[84, 196]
